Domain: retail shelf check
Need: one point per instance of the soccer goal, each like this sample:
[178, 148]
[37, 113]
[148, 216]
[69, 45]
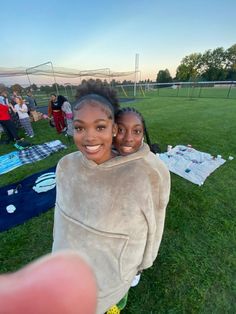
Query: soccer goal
[45, 70]
[42, 74]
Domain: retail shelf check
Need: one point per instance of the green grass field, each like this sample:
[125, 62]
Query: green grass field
[195, 269]
[187, 92]
[69, 92]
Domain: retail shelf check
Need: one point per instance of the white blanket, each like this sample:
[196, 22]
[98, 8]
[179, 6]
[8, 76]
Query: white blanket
[191, 164]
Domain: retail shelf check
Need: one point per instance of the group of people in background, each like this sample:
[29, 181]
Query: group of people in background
[16, 112]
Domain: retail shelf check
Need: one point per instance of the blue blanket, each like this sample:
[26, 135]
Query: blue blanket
[32, 154]
[26, 203]
[9, 162]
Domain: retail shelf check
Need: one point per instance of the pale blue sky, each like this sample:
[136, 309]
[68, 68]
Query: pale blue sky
[107, 34]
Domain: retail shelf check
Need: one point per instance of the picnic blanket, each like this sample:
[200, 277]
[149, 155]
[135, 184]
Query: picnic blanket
[9, 162]
[191, 164]
[39, 152]
[31, 154]
[24, 199]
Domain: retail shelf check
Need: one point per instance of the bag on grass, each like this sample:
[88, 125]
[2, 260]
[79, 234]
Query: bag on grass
[51, 123]
[155, 148]
[36, 116]
[22, 144]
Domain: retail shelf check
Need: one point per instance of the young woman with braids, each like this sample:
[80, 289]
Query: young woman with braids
[131, 132]
[113, 209]
[129, 139]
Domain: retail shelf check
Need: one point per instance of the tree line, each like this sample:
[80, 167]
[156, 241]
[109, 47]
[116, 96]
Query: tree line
[212, 65]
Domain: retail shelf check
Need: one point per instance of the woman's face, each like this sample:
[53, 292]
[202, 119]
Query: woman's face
[94, 132]
[53, 98]
[17, 100]
[130, 133]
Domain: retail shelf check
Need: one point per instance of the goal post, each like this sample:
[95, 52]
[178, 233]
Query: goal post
[44, 69]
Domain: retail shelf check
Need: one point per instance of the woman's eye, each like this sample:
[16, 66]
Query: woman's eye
[100, 127]
[137, 132]
[120, 130]
[79, 129]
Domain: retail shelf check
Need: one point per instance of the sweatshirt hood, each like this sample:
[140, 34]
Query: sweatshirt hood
[118, 160]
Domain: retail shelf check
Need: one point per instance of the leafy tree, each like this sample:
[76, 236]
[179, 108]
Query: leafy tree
[214, 65]
[189, 69]
[54, 88]
[46, 89]
[231, 63]
[3, 88]
[183, 73]
[163, 76]
[33, 87]
[113, 82]
[16, 88]
[125, 82]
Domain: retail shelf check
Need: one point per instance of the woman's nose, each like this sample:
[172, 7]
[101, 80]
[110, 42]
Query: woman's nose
[90, 135]
[128, 137]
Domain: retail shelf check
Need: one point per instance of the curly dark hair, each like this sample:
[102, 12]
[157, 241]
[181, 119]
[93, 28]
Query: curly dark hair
[97, 87]
[153, 147]
[61, 99]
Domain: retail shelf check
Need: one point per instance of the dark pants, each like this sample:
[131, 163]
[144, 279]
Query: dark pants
[10, 129]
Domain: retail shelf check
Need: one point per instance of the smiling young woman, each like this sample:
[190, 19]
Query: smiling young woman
[130, 133]
[94, 130]
[113, 208]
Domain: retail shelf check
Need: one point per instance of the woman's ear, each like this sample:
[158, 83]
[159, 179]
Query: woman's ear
[114, 129]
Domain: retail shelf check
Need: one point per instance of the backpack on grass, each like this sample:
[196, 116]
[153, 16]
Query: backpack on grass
[22, 144]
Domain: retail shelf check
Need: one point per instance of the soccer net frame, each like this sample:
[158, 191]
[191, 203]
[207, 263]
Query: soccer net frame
[38, 70]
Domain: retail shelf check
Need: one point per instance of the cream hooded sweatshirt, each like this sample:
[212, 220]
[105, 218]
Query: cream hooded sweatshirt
[113, 214]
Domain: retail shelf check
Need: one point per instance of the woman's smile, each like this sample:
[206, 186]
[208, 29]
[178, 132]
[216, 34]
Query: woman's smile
[92, 148]
[93, 132]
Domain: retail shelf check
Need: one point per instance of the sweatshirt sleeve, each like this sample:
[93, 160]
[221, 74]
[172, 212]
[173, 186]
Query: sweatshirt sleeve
[155, 211]
[58, 190]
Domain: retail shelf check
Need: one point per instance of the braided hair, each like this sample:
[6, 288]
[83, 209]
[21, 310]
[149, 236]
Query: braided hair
[153, 147]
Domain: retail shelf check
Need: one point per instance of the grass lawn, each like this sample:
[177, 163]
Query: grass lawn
[186, 91]
[195, 269]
